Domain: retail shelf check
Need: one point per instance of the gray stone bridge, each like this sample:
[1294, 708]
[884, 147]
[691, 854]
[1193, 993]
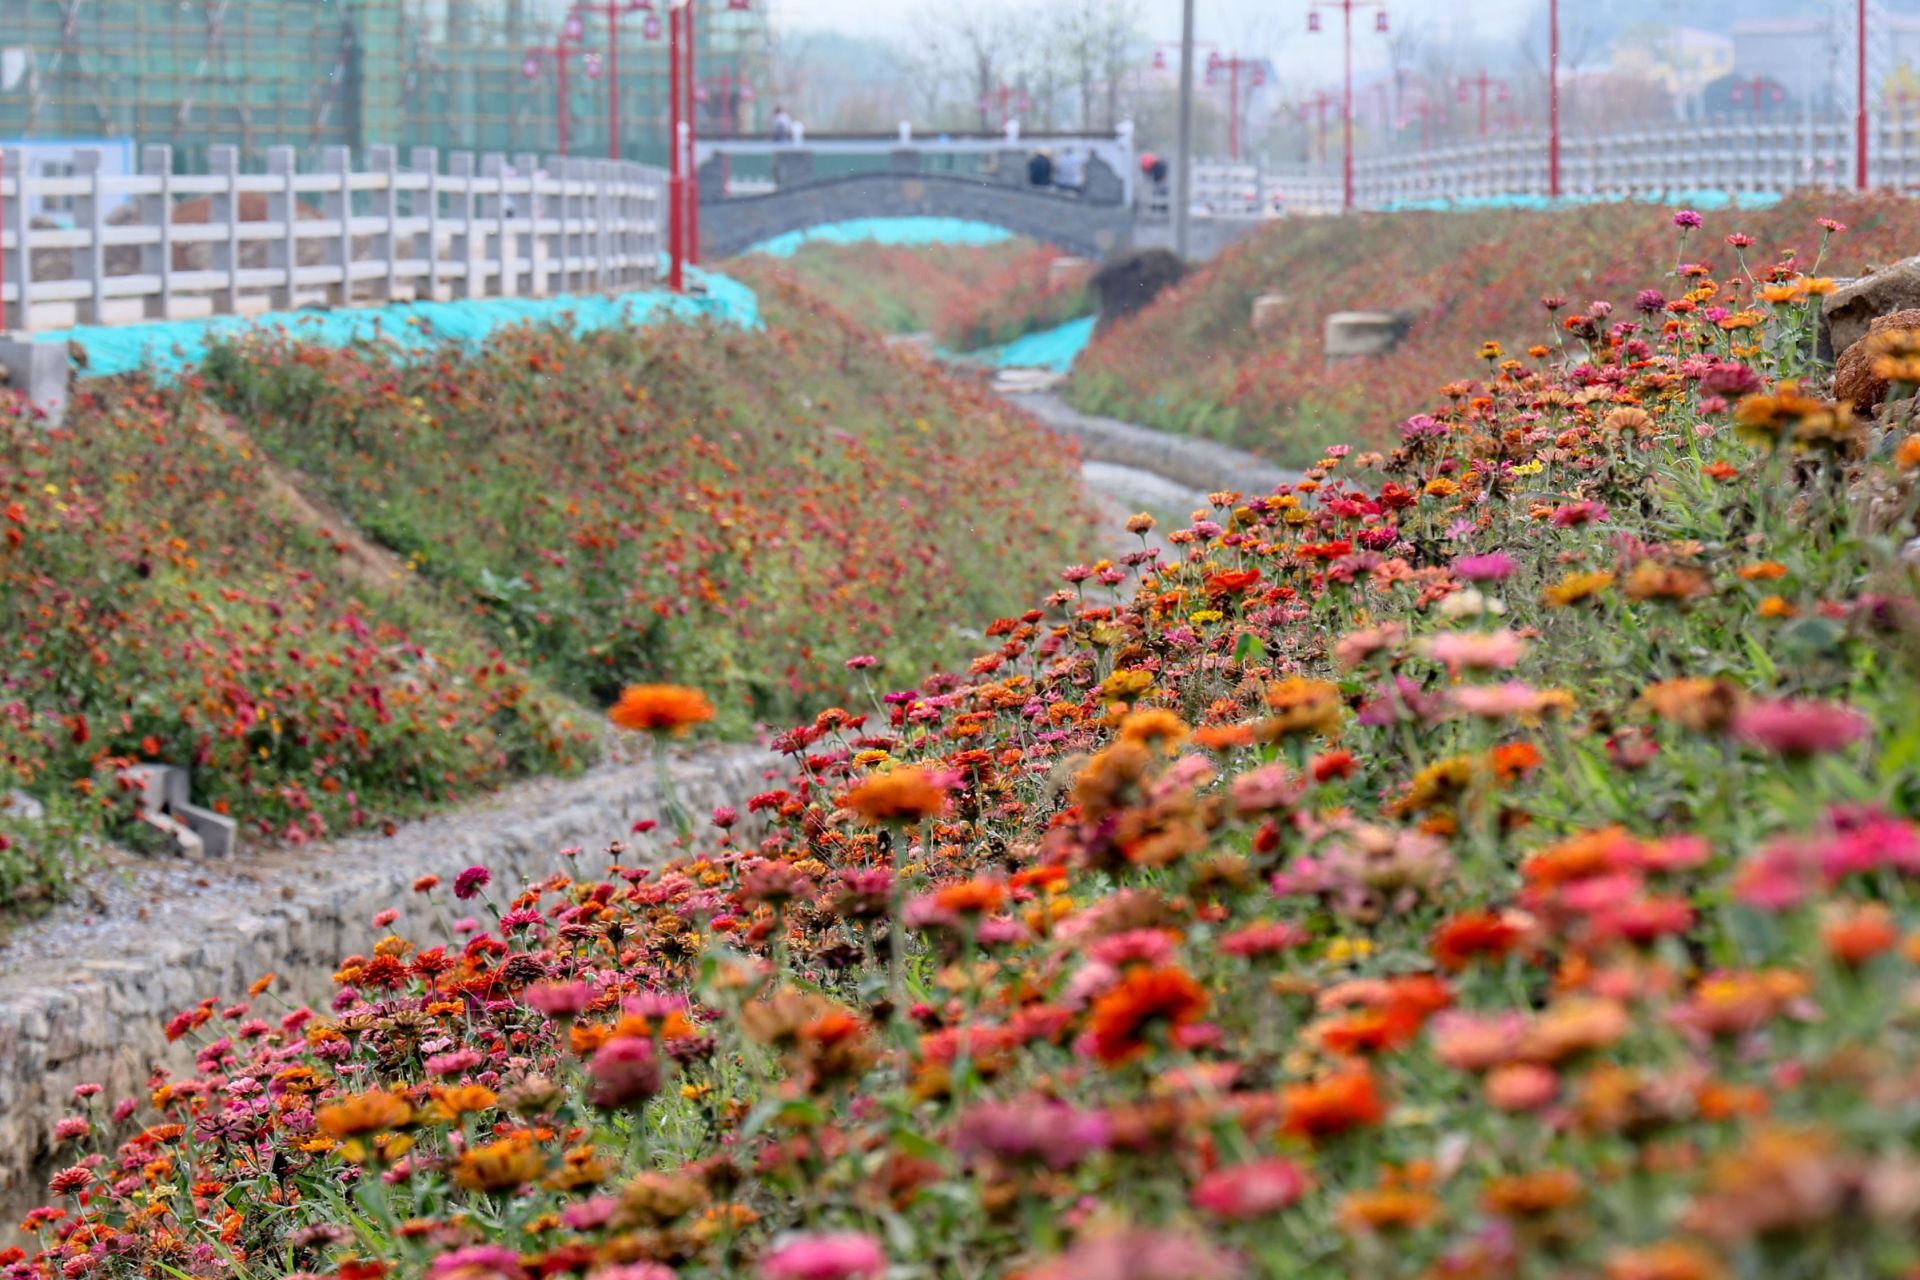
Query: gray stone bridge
[753, 191]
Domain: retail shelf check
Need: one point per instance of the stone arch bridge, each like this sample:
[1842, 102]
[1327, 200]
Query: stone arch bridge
[753, 191]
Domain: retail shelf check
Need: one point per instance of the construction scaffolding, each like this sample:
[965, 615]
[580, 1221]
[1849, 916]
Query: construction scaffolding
[478, 75]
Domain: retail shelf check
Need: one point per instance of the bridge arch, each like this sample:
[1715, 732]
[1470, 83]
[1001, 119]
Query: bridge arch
[1088, 229]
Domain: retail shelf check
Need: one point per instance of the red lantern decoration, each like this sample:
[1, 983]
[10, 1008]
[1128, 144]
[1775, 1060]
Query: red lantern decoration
[1159, 59]
[592, 63]
[574, 28]
[530, 67]
[1313, 20]
[1380, 21]
[651, 27]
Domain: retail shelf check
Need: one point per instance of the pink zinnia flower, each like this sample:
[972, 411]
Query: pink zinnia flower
[1250, 1190]
[1799, 727]
[1687, 219]
[1491, 567]
[842, 1255]
[1139, 1255]
[1046, 1133]
[625, 1072]
[1475, 650]
[477, 1262]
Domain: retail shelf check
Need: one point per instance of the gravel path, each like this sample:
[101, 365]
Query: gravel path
[1180, 460]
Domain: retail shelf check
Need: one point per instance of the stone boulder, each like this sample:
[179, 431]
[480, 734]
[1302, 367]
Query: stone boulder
[1848, 310]
[1129, 282]
[1853, 377]
[1352, 334]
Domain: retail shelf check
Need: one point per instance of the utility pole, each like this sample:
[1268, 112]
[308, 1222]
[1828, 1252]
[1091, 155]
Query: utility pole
[1183, 181]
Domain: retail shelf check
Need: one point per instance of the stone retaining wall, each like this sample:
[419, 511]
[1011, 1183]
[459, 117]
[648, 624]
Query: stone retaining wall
[89, 1001]
[1184, 460]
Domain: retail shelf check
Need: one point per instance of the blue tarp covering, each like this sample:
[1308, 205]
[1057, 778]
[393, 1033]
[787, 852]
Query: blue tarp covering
[1054, 349]
[173, 345]
[894, 231]
[1678, 199]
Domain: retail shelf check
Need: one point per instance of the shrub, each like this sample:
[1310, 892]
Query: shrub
[157, 603]
[894, 288]
[652, 504]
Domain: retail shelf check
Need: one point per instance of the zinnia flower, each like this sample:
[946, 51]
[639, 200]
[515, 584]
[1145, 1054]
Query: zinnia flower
[661, 708]
[1799, 727]
[840, 1255]
[901, 797]
[1250, 1190]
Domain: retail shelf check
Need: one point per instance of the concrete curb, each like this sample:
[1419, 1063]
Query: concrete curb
[1184, 460]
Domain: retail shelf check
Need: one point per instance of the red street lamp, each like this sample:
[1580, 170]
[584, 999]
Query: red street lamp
[567, 45]
[1759, 91]
[1256, 69]
[1317, 104]
[1484, 83]
[614, 11]
[1346, 8]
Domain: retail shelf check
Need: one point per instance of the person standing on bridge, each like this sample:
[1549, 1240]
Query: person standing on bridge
[782, 125]
[1040, 169]
[1070, 172]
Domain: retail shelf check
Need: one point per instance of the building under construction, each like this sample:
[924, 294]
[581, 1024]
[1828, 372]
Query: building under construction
[483, 75]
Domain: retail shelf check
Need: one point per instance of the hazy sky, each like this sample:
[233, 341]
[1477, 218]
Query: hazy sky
[1280, 25]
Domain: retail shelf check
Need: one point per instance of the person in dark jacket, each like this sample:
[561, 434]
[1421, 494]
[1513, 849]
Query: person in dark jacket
[1040, 170]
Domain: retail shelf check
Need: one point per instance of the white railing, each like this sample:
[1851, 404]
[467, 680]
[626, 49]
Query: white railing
[159, 245]
[1737, 157]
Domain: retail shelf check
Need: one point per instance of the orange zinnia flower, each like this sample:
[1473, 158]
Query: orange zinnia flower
[899, 798]
[1146, 997]
[1476, 933]
[1324, 1108]
[661, 708]
[373, 1112]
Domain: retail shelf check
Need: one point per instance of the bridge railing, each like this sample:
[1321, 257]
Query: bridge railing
[746, 166]
[90, 246]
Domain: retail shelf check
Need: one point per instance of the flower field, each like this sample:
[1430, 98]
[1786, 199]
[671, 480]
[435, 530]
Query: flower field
[744, 510]
[1492, 857]
[1024, 298]
[1192, 363]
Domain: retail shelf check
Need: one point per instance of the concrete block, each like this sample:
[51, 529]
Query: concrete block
[41, 370]
[1269, 310]
[219, 835]
[903, 160]
[1364, 333]
[153, 785]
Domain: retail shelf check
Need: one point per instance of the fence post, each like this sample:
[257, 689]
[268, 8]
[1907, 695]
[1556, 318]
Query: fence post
[337, 204]
[569, 170]
[493, 240]
[460, 175]
[89, 261]
[602, 228]
[18, 260]
[223, 211]
[384, 160]
[156, 211]
[531, 252]
[426, 245]
[283, 209]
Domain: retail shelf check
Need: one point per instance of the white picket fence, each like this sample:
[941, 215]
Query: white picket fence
[336, 236]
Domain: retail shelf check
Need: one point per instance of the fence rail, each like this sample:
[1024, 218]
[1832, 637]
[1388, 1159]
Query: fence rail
[159, 245]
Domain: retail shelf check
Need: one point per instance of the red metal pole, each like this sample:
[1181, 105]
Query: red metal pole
[693, 133]
[676, 210]
[1346, 113]
[1233, 115]
[1860, 117]
[613, 81]
[1483, 105]
[1553, 98]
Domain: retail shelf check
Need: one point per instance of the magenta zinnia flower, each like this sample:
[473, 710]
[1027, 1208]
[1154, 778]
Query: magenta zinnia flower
[625, 1072]
[1491, 567]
